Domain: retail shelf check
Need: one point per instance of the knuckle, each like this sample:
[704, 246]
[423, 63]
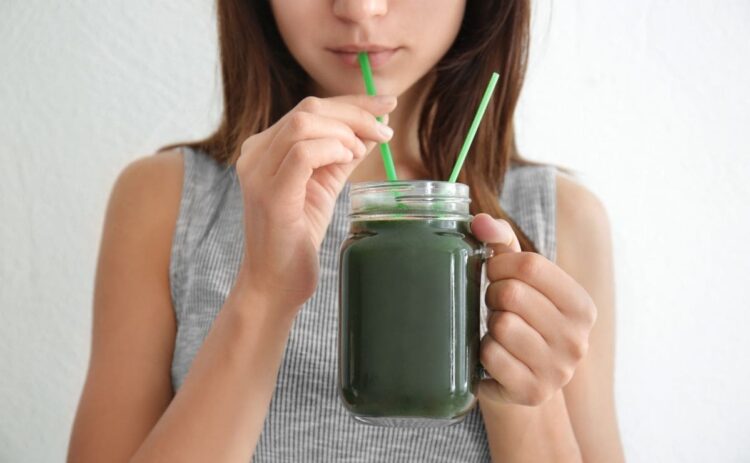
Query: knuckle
[357, 146]
[590, 312]
[582, 350]
[576, 348]
[242, 164]
[311, 104]
[342, 148]
[246, 145]
[348, 139]
[584, 309]
[560, 374]
[300, 152]
[502, 325]
[509, 293]
[534, 394]
[300, 121]
[528, 267]
[246, 159]
[249, 144]
[567, 376]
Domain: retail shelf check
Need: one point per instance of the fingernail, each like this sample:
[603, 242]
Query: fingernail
[384, 131]
[385, 100]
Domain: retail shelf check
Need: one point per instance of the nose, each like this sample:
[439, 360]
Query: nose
[359, 10]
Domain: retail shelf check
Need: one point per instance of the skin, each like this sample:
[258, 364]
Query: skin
[549, 346]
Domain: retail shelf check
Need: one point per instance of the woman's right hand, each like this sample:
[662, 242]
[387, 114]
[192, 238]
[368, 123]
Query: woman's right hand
[290, 176]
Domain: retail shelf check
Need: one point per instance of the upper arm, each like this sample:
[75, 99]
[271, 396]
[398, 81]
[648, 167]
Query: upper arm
[128, 385]
[584, 251]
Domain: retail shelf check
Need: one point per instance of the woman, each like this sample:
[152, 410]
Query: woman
[213, 336]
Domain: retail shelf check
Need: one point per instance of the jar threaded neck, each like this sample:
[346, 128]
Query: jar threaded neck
[409, 200]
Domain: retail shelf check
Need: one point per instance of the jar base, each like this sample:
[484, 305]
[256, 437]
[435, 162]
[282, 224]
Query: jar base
[407, 421]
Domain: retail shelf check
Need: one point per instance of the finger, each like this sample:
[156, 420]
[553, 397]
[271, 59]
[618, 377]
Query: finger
[512, 379]
[308, 126]
[302, 160]
[525, 301]
[521, 340]
[497, 233]
[375, 105]
[540, 273]
[356, 111]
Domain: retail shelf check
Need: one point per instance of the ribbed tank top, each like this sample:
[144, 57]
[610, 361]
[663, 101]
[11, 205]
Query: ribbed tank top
[306, 422]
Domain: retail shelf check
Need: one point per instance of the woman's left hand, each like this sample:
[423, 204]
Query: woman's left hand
[539, 320]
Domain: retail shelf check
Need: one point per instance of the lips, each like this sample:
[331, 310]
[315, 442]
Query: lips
[379, 55]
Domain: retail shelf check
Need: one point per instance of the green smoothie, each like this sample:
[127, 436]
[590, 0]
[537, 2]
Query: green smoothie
[409, 321]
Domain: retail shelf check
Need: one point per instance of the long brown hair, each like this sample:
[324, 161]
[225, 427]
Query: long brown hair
[262, 82]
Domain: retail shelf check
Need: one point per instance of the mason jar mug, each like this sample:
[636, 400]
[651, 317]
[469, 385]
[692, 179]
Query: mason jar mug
[410, 275]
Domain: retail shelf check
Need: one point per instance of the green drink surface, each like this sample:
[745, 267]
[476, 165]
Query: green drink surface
[409, 318]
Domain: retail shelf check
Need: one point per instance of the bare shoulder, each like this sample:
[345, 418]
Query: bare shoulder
[155, 179]
[145, 201]
[583, 226]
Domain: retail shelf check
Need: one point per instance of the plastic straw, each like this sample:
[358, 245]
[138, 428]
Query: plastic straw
[385, 149]
[474, 125]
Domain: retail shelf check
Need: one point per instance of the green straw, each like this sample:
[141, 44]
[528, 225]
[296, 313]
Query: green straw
[385, 150]
[474, 125]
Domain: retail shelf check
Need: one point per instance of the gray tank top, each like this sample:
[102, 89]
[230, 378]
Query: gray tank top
[306, 421]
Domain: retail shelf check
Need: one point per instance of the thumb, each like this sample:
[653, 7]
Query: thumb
[496, 233]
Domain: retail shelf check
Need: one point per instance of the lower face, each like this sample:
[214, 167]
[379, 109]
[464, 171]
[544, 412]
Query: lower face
[416, 34]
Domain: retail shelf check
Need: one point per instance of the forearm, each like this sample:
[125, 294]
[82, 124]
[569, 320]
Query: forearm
[519, 433]
[218, 413]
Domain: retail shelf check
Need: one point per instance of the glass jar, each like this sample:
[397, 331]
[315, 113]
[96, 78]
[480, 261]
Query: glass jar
[410, 275]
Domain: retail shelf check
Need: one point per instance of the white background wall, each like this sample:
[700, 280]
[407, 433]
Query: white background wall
[648, 100]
